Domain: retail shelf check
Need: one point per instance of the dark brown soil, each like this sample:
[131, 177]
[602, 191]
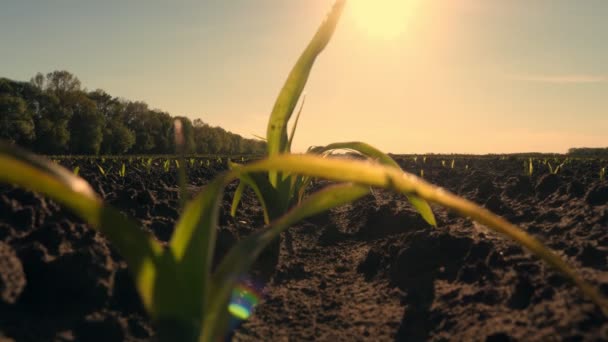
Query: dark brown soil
[373, 270]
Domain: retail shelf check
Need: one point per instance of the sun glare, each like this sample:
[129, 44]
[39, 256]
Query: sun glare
[386, 19]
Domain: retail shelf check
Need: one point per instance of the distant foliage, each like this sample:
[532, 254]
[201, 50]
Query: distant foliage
[589, 151]
[52, 114]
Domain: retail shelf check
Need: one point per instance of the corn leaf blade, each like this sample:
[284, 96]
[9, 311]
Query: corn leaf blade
[238, 193]
[193, 243]
[369, 151]
[276, 132]
[294, 85]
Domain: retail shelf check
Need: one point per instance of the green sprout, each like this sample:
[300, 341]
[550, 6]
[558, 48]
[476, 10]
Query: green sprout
[166, 165]
[186, 299]
[123, 171]
[76, 170]
[602, 174]
[529, 167]
[147, 164]
[101, 170]
[553, 170]
[452, 164]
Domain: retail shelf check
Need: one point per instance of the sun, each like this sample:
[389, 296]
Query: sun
[386, 19]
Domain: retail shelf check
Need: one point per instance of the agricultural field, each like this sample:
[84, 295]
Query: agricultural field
[370, 270]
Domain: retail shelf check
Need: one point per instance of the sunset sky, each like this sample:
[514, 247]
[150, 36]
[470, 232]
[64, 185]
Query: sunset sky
[458, 76]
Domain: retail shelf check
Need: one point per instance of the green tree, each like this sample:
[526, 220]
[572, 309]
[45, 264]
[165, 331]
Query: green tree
[117, 138]
[86, 124]
[51, 121]
[61, 81]
[16, 123]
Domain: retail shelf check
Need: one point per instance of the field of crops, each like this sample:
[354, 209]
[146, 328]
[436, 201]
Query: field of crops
[371, 270]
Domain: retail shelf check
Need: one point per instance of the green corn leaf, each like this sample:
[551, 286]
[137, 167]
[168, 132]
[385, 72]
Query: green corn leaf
[240, 258]
[266, 194]
[369, 151]
[193, 244]
[238, 193]
[276, 134]
[295, 124]
[360, 147]
[123, 170]
[38, 174]
[101, 170]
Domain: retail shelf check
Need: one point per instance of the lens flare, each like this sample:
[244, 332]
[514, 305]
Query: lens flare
[243, 301]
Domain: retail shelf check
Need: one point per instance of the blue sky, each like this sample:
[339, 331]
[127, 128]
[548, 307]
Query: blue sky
[462, 76]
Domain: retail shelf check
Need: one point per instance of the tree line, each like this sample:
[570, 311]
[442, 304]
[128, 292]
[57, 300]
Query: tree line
[53, 114]
[589, 151]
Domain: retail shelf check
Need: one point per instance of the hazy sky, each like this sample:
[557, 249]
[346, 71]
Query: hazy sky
[462, 76]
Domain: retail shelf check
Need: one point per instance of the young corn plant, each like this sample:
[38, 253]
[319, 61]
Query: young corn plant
[554, 170]
[123, 171]
[529, 167]
[76, 170]
[148, 165]
[101, 170]
[185, 299]
[602, 174]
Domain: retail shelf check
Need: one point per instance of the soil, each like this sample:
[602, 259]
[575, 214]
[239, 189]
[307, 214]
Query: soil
[369, 271]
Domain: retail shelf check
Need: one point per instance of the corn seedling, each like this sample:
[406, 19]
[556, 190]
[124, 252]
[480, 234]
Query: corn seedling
[442, 163]
[76, 170]
[123, 171]
[603, 174]
[452, 164]
[189, 302]
[421, 173]
[147, 164]
[101, 170]
[553, 170]
[529, 167]
[166, 165]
